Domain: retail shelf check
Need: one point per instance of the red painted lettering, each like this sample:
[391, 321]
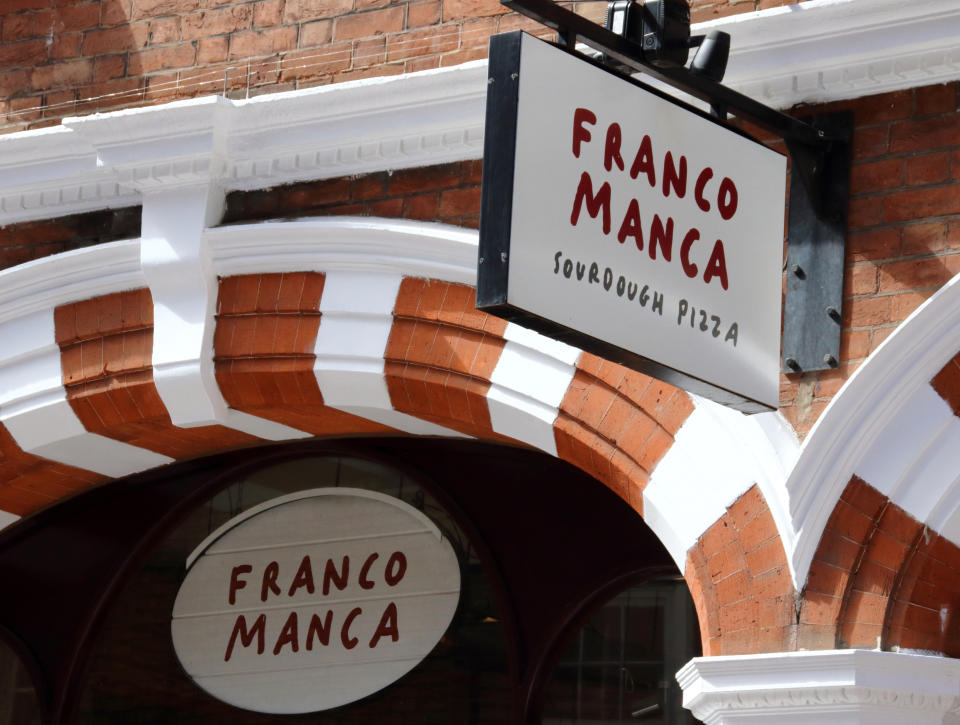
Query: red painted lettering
[631, 225]
[643, 162]
[661, 236]
[387, 626]
[689, 268]
[320, 630]
[365, 569]
[595, 204]
[288, 635]
[348, 641]
[717, 266]
[611, 149]
[269, 580]
[702, 180]
[581, 134]
[246, 636]
[396, 568]
[727, 199]
[236, 582]
[674, 177]
[303, 578]
[339, 579]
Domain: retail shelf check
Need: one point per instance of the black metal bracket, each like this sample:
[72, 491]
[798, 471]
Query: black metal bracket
[816, 233]
[819, 190]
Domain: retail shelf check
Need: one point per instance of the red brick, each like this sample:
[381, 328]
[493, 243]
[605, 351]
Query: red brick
[114, 12]
[217, 22]
[154, 59]
[876, 175]
[870, 142]
[154, 8]
[267, 13]
[925, 135]
[70, 73]
[116, 40]
[421, 42]
[29, 52]
[65, 19]
[860, 279]
[251, 43]
[917, 273]
[873, 244]
[368, 24]
[457, 202]
[928, 169]
[295, 11]
[458, 9]
[423, 14]
[316, 33]
[935, 99]
[212, 50]
[66, 45]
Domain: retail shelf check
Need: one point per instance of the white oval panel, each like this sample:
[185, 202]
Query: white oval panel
[314, 600]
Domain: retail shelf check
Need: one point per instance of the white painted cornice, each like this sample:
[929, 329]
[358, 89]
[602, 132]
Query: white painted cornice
[833, 686]
[349, 244]
[45, 283]
[826, 50]
[811, 52]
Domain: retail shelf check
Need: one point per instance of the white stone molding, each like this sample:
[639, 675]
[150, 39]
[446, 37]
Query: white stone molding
[813, 51]
[825, 50]
[184, 285]
[35, 411]
[717, 456]
[33, 403]
[356, 319]
[852, 687]
[347, 244]
[45, 283]
[7, 518]
[888, 426]
[527, 386]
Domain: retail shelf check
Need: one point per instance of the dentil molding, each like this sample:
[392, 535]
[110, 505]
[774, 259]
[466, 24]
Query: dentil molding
[813, 51]
[821, 688]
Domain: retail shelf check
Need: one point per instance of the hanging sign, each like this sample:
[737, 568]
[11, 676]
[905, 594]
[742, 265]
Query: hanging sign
[314, 600]
[631, 225]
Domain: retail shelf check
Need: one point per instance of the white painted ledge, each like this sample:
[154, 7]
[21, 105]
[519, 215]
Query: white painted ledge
[848, 687]
[7, 519]
[815, 51]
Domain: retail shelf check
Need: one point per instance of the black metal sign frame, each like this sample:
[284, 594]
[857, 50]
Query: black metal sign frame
[820, 171]
[496, 213]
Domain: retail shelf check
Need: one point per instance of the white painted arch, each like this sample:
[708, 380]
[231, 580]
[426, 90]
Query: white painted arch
[364, 260]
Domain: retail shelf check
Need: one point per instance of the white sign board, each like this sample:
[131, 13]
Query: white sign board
[634, 222]
[314, 600]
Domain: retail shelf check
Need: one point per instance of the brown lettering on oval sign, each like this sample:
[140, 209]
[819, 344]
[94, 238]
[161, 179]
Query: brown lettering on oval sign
[314, 596]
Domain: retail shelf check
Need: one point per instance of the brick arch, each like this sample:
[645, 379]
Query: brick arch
[884, 574]
[361, 351]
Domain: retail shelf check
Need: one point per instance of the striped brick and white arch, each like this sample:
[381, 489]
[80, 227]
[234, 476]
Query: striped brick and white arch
[125, 357]
[876, 495]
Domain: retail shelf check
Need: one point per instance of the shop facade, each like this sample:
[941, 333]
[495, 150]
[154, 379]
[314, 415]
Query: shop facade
[214, 302]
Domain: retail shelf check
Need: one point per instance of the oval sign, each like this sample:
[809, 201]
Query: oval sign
[314, 600]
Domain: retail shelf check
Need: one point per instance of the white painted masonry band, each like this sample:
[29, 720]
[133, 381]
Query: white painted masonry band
[781, 56]
[355, 323]
[527, 386]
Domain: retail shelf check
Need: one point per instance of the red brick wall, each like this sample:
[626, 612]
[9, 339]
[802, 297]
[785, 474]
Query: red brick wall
[68, 57]
[904, 227]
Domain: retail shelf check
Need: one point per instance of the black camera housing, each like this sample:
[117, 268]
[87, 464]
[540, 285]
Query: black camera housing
[660, 27]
